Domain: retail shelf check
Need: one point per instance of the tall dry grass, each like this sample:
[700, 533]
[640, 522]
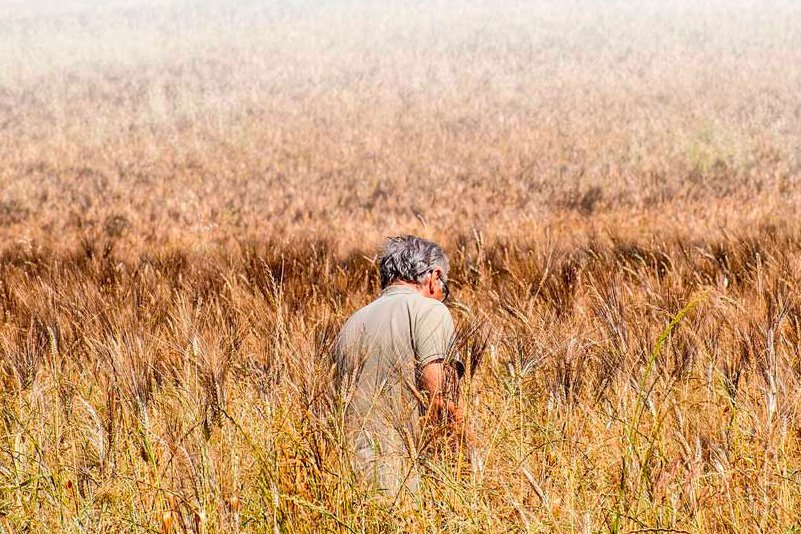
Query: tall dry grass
[627, 385]
[193, 193]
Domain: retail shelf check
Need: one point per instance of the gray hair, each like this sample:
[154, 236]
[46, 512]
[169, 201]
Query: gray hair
[410, 259]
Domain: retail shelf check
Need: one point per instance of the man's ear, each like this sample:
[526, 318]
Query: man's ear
[436, 275]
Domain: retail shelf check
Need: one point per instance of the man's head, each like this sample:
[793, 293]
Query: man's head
[417, 262]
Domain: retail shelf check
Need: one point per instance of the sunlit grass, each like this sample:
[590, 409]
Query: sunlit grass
[175, 392]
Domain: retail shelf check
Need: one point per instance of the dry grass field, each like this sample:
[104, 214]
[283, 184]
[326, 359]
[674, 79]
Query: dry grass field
[192, 195]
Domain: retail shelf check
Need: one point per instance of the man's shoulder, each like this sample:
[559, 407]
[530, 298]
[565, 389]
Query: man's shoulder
[370, 313]
[429, 304]
[430, 312]
[358, 317]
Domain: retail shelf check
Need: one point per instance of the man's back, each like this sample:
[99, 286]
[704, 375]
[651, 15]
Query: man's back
[380, 352]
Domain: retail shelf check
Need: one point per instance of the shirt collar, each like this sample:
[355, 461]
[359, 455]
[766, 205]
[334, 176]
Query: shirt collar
[398, 290]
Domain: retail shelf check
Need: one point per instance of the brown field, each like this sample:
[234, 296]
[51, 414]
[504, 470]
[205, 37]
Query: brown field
[192, 196]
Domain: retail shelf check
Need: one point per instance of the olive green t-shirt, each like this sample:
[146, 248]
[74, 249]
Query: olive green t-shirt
[380, 352]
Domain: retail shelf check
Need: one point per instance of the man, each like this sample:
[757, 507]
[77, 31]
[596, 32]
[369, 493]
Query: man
[396, 371]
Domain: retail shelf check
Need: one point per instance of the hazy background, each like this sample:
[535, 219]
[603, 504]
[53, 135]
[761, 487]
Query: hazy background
[253, 118]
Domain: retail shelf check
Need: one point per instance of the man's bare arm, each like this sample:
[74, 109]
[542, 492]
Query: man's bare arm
[441, 381]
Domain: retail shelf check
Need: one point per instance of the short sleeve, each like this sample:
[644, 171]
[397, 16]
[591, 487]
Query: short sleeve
[433, 335]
